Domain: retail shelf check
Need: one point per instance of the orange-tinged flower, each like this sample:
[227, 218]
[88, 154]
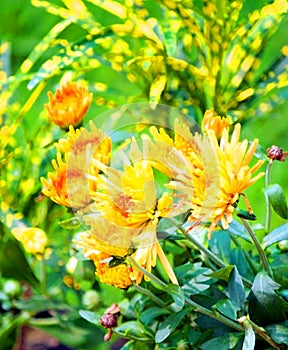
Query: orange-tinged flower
[69, 105]
[118, 276]
[68, 185]
[212, 121]
[127, 210]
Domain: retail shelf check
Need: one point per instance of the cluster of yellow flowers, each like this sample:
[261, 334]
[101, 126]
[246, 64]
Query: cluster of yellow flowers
[122, 206]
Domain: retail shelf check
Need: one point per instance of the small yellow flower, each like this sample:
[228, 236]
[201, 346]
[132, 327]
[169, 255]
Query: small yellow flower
[69, 105]
[55, 187]
[34, 239]
[118, 276]
[212, 121]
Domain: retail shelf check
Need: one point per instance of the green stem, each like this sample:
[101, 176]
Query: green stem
[268, 205]
[257, 244]
[198, 308]
[249, 260]
[199, 245]
[151, 295]
[205, 250]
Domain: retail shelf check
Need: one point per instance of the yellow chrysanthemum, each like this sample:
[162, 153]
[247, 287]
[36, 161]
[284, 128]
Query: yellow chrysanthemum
[236, 175]
[118, 276]
[69, 105]
[34, 239]
[127, 201]
[55, 187]
[218, 172]
[212, 121]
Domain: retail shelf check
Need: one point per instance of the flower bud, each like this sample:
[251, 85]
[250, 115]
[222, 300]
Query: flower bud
[276, 153]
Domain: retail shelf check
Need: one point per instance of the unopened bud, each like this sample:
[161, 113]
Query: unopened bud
[276, 153]
[109, 321]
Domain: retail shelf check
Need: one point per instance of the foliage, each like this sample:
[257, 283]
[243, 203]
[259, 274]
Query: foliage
[194, 56]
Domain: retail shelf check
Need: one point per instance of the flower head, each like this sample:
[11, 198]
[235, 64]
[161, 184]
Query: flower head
[212, 121]
[68, 185]
[34, 239]
[69, 105]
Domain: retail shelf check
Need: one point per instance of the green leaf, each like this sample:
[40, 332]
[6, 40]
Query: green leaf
[90, 316]
[227, 308]
[220, 244]
[236, 288]
[7, 333]
[279, 234]
[277, 200]
[224, 342]
[169, 325]
[222, 274]
[134, 330]
[279, 332]
[116, 260]
[70, 224]
[239, 230]
[249, 339]
[265, 306]
[150, 314]
[13, 263]
[177, 294]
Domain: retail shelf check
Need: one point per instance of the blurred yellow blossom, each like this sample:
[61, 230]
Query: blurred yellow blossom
[34, 239]
[69, 104]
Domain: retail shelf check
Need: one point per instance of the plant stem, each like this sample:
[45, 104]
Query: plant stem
[249, 260]
[268, 205]
[198, 308]
[199, 245]
[151, 295]
[257, 244]
[205, 250]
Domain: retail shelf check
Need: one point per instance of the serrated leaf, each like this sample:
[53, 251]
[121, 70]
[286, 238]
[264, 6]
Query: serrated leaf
[279, 234]
[177, 294]
[279, 332]
[236, 288]
[169, 325]
[265, 305]
[70, 224]
[277, 200]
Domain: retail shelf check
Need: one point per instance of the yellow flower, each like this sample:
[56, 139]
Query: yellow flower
[236, 175]
[55, 187]
[68, 185]
[216, 174]
[212, 121]
[118, 276]
[34, 239]
[126, 213]
[69, 105]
